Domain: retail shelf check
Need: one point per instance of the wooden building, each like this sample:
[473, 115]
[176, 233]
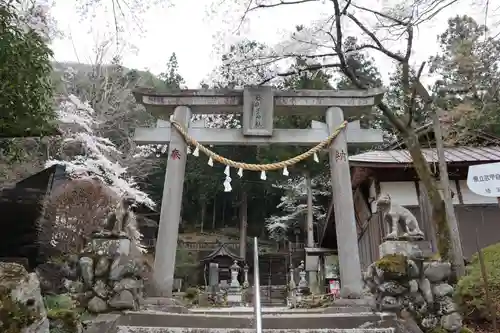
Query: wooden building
[391, 171]
[21, 206]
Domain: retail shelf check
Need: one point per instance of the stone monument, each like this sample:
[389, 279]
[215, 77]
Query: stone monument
[213, 277]
[258, 105]
[403, 232]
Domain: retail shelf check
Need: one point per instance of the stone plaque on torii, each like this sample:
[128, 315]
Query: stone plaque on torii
[259, 105]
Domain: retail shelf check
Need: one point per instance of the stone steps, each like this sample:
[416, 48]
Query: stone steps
[156, 322]
[282, 310]
[123, 329]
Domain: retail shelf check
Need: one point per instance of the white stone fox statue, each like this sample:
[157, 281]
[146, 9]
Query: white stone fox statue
[123, 220]
[400, 221]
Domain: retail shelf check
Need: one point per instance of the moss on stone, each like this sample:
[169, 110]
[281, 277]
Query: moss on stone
[438, 329]
[63, 320]
[393, 263]
[14, 316]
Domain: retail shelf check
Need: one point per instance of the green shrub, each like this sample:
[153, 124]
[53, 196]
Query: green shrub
[470, 291]
[191, 293]
[63, 321]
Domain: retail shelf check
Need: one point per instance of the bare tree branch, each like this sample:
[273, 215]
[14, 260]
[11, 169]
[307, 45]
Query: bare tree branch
[281, 3]
[301, 70]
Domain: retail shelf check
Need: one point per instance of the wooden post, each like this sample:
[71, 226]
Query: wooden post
[456, 242]
[203, 213]
[213, 213]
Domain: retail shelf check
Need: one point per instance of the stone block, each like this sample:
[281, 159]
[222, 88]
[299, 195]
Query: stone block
[234, 298]
[409, 249]
[110, 247]
[312, 262]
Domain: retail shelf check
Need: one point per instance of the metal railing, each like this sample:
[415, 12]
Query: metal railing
[256, 290]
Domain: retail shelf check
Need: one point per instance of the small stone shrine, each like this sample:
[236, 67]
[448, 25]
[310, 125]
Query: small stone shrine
[225, 274]
[219, 263]
[405, 279]
[109, 272]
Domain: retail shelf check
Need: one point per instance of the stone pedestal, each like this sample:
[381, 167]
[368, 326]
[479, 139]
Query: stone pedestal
[109, 245]
[410, 249]
[234, 298]
[311, 266]
[111, 274]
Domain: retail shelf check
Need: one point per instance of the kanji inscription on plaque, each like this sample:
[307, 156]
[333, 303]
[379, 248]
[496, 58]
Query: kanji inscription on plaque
[258, 109]
[340, 155]
[257, 120]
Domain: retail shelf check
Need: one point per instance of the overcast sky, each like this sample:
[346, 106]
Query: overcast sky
[188, 30]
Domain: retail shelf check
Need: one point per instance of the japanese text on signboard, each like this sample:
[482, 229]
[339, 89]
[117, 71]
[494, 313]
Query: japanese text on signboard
[484, 179]
[487, 178]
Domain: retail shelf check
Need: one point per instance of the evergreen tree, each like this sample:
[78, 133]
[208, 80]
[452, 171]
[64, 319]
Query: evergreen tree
[26, 90]
[469, 61]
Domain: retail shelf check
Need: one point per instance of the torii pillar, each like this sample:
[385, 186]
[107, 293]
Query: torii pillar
[258, 105]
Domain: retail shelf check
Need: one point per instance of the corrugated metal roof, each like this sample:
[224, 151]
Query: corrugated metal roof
[452, 155]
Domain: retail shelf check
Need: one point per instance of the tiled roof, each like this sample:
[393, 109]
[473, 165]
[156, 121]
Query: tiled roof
[452, 155]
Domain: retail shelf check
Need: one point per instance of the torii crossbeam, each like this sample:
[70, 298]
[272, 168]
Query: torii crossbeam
[258, 105]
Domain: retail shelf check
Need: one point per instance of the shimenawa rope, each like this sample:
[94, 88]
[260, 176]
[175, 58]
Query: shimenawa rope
[258, 167]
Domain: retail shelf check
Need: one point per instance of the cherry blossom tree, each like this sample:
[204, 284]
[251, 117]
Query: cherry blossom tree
[294, 205]
[97, 181]
[87, 155]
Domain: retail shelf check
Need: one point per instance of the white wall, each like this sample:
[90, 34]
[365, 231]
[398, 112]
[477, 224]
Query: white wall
[453, 185]
[405, 193]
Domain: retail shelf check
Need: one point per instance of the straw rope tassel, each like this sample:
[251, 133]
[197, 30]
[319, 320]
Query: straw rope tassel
[258, 167]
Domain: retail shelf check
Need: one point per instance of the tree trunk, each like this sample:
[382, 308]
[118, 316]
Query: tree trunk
[223, 212]
[313, 275]
[456, 242]
[438, 207]
[213, 213]
[203, 213]
[243, 224]
[309, 220]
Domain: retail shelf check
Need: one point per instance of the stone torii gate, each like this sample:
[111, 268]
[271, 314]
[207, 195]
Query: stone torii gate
[258, 105]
